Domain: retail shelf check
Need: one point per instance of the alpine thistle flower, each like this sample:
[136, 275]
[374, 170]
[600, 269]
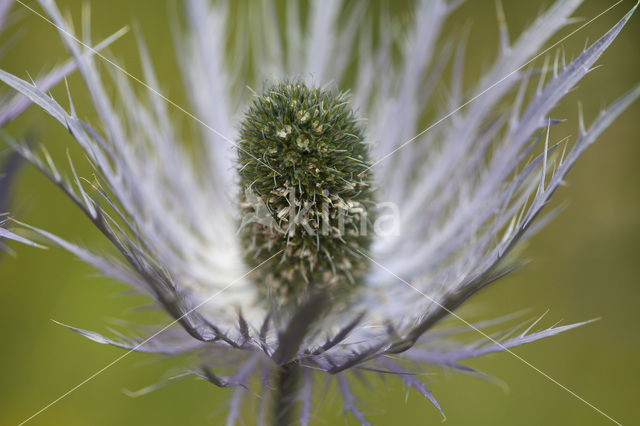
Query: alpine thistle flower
[269, 248]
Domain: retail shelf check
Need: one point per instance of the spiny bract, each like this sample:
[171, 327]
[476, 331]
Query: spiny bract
[302, 155]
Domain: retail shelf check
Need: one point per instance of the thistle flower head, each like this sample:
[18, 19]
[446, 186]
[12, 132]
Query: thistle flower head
[461, 196]
[302, 154]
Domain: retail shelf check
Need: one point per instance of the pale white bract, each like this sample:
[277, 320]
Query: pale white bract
[467, 191]
[11, 106]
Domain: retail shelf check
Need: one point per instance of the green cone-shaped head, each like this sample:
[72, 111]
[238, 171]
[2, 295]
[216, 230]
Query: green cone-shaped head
[307, 191]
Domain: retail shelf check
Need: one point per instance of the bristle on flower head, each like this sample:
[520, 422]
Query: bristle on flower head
[307, 192]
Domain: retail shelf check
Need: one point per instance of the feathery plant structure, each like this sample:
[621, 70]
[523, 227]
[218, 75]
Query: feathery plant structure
[11, 106]
[11, 164]
[273, 309]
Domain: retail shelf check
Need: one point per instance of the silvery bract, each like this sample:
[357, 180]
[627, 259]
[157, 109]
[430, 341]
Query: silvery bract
[459, 197]
[11, 106]
[10, 165]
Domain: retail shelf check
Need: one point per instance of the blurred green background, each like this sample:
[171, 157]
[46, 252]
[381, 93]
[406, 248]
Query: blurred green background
[586, 263]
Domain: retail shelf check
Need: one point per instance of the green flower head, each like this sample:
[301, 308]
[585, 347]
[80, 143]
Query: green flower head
[303, 156]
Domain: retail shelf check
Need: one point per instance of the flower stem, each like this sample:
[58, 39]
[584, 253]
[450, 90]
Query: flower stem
[284, 402]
